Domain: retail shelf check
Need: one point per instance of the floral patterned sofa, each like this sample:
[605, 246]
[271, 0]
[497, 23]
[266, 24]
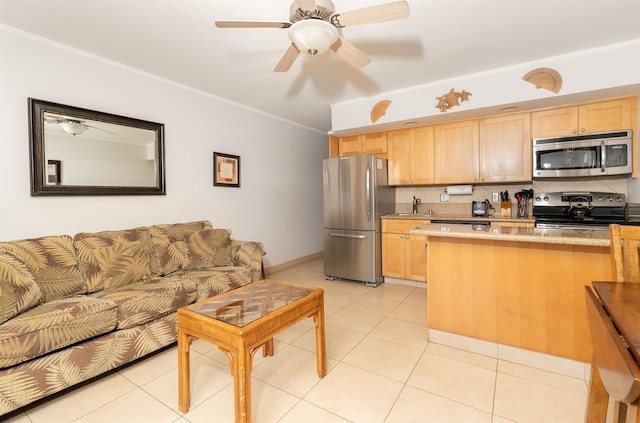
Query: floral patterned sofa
[72, 308]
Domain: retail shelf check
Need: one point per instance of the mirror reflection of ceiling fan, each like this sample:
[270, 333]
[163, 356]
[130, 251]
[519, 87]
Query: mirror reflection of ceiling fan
[72, 126]
[314, 29]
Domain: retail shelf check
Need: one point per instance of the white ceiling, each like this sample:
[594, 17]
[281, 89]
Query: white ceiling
[176, 40]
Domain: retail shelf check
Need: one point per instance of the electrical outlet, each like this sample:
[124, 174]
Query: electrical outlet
[494, 197]
[444, 197]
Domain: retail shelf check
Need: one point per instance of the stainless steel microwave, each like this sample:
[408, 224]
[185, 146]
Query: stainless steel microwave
[599, 154]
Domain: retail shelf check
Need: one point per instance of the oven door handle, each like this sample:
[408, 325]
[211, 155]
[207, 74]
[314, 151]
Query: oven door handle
[603, 156]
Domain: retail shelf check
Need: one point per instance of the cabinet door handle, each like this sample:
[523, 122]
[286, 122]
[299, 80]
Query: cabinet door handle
[425, 248]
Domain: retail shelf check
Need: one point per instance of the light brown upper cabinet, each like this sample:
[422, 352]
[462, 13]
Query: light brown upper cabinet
[334, 146]
[373, 143]
[505, 148]
[586, 118]
[350, 145]
[456, 151]
[411, 156]
[496, 149]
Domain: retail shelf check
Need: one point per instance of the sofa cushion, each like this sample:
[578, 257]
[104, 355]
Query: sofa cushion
[216, 280]
[249, 254]
[208, 248]
[53, 263]
[122, 264]
[54, 325]
[18, 290]
[111, 259]
[170, 246]
[145, 301]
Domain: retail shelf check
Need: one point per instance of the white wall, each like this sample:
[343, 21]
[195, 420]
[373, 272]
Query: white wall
[588, 75]
[614, 68]
[280, 199]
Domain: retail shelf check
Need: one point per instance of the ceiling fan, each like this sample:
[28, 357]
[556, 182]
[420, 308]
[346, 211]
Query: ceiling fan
[314, 28]
[70, 125]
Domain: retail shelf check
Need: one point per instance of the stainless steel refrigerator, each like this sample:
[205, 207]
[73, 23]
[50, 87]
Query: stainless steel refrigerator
[356, 194]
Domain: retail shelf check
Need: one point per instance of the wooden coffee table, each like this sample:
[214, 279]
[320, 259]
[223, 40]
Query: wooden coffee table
[241, 321]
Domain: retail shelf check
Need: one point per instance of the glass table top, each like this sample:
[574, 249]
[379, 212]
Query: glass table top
[248, 304]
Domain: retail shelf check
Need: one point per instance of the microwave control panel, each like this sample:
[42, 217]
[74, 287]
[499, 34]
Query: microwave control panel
[617, 155]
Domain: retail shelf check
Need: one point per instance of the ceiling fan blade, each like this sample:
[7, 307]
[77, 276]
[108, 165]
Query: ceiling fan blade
[306, 5]
[287, 59]
[350, 53]
[373, 14]
[250, 24]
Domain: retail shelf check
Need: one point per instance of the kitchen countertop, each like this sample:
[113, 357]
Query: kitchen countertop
[517, 234]
[421, 216]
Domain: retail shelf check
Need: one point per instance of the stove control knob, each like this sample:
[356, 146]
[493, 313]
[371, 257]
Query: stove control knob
[546, 198]
[610, 198]
[619, 199]
[601, 198]
[537, 198]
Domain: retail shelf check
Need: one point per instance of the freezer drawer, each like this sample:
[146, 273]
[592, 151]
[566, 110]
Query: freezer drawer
[353, 255]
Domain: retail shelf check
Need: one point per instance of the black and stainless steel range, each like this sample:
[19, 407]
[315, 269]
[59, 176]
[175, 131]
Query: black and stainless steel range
[579, 210]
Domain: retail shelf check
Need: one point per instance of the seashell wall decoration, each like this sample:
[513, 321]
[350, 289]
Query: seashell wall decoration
[546, 78]
[379, 110]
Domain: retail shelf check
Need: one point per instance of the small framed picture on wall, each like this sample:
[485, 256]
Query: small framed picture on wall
[226, 170]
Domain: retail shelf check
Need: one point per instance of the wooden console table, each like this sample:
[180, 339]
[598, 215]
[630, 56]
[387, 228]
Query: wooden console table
[613, 309]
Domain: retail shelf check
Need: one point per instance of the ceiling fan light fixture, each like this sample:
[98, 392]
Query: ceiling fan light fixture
[313, 36]
[73, 128]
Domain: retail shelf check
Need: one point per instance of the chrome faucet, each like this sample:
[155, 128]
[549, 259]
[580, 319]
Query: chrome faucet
[416, 201]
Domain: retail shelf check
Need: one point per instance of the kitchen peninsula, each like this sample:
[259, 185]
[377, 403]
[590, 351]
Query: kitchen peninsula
[516, 286]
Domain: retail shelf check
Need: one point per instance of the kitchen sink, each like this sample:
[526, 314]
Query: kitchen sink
[414, 214]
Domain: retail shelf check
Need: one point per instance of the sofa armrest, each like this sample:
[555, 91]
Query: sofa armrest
[248, 254]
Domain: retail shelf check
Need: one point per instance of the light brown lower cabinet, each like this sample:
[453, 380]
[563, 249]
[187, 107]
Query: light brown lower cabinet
[404, 255]
[526, 295]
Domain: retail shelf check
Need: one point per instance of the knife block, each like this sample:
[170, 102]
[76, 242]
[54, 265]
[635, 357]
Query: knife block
[505, 209]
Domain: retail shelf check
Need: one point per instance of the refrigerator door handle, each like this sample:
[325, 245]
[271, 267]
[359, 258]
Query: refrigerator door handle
[328, 179]
[337, 235]
[368, 191]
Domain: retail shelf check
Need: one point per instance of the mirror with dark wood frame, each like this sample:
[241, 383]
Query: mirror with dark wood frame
[76, 151]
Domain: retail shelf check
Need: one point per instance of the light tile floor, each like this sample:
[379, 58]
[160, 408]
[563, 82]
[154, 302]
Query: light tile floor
[381, 369]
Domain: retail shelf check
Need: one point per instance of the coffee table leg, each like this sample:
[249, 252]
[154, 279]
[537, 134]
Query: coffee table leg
[267, 348]
[242, 384]
[321, 349]
[184, 369]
